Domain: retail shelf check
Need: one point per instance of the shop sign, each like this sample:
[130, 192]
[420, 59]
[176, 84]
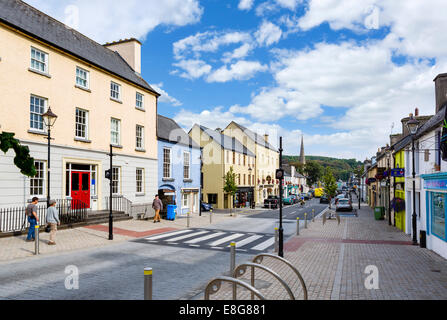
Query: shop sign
[400, 172]
[435, 184]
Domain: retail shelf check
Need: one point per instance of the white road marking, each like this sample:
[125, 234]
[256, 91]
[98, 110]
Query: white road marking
[264, 245]
[210, 236]
[247, 241]
[187, 236]
[165, 235]
[226, 239]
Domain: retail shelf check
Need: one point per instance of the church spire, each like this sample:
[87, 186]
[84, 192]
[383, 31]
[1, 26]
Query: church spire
[302, 154]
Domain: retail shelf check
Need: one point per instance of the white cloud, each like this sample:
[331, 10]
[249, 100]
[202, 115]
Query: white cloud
[241, 70]
[165, 97]
[104, 22]
[268, 34]
[245, 4]
[238, 53]
[193, 68]
[273, 6]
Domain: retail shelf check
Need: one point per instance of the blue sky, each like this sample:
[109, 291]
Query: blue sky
[339, 72]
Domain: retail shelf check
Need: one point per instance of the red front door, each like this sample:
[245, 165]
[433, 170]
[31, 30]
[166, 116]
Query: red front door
[80, 187]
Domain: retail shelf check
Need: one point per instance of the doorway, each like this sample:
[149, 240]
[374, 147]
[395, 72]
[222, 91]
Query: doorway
[80, 187]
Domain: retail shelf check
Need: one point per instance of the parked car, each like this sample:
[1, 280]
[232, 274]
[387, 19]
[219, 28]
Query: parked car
[324, 199]
[310, 195]
[305, 196]
[344, 205]
[206, 206]
[340, 196]
[288, 200]
[271, 202]
[295, 198]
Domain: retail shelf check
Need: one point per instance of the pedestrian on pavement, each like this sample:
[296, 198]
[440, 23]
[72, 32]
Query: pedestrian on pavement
[53, 221]
[33, 219]
[157, 205]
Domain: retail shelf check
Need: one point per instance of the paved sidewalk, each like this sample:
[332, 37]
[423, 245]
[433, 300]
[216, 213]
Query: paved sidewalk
[70, 240]
[332, 259]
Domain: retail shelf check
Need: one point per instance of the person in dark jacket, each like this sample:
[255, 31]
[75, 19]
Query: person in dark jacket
[157, 205]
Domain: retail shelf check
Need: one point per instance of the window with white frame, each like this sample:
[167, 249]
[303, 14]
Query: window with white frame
[39, 60]
[37, 183]
[81, 124]
[82, 78]
[140, 137]
[38, 107]
[115, 91]
[186, 165]
[139, 180]
[185, 200]
[116, 180]
[140, 101]
[166, 163]
[115, 131]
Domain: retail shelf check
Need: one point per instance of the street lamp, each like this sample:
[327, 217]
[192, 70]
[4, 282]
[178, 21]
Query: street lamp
[280, 177]
[413, 126]
[250, 170]
[49, 119]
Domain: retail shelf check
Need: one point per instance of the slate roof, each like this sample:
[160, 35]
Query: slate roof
[169, 130]
[37, 24]
[258, 139]
[226, 142]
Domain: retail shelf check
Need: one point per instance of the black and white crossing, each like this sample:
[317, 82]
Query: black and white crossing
[211, 239]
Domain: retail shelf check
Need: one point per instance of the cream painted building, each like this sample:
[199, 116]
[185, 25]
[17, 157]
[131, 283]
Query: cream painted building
[220, 153]
[100, 99]
[267, 160]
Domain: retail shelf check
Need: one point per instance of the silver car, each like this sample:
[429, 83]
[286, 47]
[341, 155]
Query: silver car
[344, 205]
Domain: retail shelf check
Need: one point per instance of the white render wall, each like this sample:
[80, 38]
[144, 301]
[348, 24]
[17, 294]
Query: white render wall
[15, 188]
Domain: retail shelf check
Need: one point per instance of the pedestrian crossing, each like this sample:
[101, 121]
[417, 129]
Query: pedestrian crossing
[213, 240]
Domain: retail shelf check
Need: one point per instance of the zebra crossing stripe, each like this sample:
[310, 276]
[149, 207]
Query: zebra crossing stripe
[247, 241]
[226, 239]
[264, 245]
[165, 235]
[187, 236]
[210, 236]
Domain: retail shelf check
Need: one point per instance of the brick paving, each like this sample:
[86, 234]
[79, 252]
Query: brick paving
[332, 259]
[69, 240]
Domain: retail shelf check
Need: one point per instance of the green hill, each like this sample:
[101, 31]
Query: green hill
[341, 168]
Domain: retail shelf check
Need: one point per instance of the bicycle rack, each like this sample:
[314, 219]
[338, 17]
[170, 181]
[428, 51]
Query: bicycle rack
[215, 285]
[259, 258]
[241, 269]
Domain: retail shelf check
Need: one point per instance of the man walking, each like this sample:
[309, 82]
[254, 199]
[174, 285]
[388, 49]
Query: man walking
[33, 219]
[157, 205]
[53, 221]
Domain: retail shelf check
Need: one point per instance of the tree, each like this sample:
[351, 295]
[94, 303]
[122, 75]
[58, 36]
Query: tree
[313, 172]
[330, 184]
[22, 160]
[230, 186]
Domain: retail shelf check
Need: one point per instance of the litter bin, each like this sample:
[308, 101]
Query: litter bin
[379, 213]
[423, 239]
[171, 212]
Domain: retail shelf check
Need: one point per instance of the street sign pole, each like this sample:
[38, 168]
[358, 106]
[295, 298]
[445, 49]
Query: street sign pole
[111, 195]
[281, 176]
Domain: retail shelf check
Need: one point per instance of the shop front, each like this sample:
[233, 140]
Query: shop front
[244, 197]
[435, 189]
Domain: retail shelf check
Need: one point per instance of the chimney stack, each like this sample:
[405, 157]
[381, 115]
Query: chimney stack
[416, 112]
[130, 51]
[266, 138]
[440, 90]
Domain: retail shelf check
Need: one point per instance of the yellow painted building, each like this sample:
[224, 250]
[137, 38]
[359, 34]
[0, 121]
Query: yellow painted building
[100, 98]
[267, 160]
[221, 152]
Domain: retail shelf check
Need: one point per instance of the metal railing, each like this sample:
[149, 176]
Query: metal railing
[120, 204]
[70, 211]
[215, 285]
[259, 259]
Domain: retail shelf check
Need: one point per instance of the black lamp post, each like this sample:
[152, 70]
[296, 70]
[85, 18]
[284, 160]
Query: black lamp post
[280, 177]
[49, 118]
[413, 126]
[250, 170]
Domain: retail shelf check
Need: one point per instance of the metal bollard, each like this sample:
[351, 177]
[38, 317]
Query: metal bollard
[305, 220]
[36, 242]
[297, 226]
[276, 240]
[147, 283]
[313, 215]
[232, 258]
[188, 223]
[211, 216]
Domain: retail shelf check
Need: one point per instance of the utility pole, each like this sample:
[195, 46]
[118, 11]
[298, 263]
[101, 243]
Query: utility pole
[109, 175]
[280, 177]
[389, 190]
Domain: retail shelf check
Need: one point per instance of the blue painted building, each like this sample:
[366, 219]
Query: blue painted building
[179, 167]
